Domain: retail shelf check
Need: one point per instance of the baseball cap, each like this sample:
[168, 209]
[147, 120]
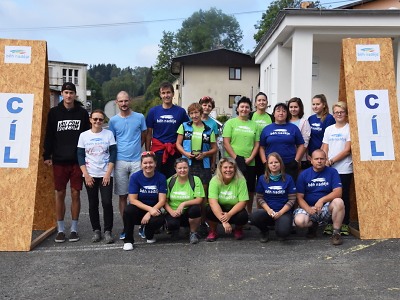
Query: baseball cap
[68, 86]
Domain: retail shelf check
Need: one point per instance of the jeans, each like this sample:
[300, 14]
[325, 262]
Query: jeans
[283, 225]
[106, 201]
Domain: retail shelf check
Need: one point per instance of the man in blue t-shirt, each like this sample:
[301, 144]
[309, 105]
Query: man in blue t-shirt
[129, 129]
[319, 192]
[162, 123]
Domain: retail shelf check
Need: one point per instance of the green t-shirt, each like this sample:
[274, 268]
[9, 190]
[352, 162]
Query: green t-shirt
[228, 195]
[243, 135]
[183, 192]
[261, 120]
[197, 136]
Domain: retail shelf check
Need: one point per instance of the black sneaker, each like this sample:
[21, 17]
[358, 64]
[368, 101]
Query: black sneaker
[264, 236]
[312, 231]
[73, 237]
[60, 237]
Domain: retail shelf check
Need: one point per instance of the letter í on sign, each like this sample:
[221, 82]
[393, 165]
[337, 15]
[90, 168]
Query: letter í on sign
[376, 139]
[16, 113]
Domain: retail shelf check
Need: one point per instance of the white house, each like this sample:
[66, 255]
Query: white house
[60, 72]
[300, 55]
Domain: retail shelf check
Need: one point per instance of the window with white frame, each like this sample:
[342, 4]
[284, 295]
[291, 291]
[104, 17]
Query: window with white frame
[70, 75]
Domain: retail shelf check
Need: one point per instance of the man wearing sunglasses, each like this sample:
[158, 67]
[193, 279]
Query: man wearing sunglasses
[65, 123]
[129, 129]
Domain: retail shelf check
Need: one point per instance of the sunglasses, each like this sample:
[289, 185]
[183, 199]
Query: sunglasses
[98, 119]
[151, 153]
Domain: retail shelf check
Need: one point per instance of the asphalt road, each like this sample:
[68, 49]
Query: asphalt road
[297, 268]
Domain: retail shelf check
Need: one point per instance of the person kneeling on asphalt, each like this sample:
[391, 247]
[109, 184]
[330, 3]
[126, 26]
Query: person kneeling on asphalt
[184, 197]
[319, 193]
[276, 195]
[227, 197]
[147, 195]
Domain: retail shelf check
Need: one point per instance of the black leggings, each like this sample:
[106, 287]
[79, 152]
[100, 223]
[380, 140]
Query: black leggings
[192, 212]
[133, 216]
[240, 218]
[283, 225]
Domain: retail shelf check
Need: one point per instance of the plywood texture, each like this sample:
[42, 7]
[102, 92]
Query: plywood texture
[376, 182]
[27, 193]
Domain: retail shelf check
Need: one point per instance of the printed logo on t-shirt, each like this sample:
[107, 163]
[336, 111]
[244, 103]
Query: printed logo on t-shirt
[179, 195]
[149, 189]
[275, 190]
[318, 182]
[316, 126]
[166, 119]
[227, 195]
[244, 129]
[68, 125]
[337, 137]
[280, 132]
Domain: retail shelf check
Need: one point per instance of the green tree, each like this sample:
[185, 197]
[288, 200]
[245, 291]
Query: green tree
[269, 16]
[96, 93]
[162, 68]
[207, 30]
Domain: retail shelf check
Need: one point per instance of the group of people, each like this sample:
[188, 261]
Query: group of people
[299, 170]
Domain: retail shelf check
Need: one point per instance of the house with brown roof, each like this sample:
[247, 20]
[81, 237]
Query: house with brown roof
[221, 74]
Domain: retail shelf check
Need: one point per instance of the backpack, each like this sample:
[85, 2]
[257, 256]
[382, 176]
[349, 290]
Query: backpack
[173, 180]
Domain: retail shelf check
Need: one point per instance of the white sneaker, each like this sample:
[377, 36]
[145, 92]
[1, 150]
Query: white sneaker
[152, 241]
[128, 247]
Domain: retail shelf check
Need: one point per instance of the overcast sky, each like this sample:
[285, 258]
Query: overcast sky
[132, 43]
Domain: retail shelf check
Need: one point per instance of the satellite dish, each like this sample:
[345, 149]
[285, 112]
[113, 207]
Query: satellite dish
[111, 109]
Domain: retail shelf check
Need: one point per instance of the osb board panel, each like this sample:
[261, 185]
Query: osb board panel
[44, 216]
[376, 183]
[342, 97]
[19, 186]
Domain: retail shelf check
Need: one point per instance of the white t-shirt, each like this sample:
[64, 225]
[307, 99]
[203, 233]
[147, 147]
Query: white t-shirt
[97, 154]
[336, 139]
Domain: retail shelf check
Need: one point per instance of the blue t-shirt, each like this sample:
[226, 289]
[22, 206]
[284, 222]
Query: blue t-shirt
[276, 192]
[128, 135]
[147, 188]
[315, 185]
[283, 139]
[165, 122]
[318, 130]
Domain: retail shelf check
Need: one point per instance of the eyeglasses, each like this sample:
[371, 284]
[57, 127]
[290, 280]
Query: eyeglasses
[339, 113]
[98, 119]
[151, 153]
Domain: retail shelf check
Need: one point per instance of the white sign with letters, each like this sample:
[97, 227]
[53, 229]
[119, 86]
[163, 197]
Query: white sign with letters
[374, 125]
[16, 112]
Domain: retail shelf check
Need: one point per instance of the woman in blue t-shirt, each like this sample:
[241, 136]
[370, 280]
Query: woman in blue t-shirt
[284, 138]
[147, 195]
[276, 194]
[319, 122]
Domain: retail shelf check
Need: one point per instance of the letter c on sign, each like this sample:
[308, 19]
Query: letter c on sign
[368, 103]
[10, 103]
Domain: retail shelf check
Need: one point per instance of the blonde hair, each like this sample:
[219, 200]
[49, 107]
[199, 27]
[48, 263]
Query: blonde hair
[342, 105]
[218, 173]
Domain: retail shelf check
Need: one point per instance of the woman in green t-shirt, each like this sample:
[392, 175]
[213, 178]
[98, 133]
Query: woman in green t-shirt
[227, 197]
[184, 197]
[241, 141]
